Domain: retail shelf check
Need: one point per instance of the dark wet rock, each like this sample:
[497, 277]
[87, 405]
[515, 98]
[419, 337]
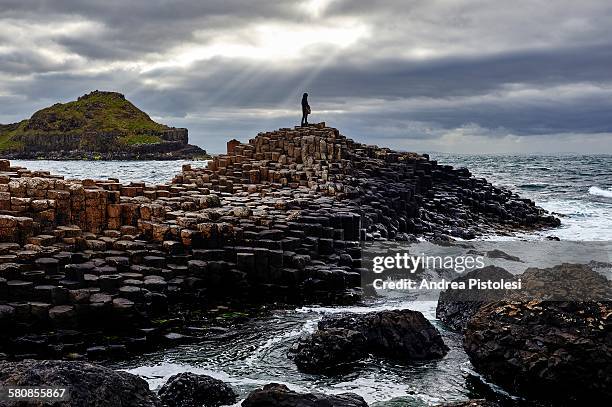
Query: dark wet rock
[62, 314]
[192, 390]
[89, 385]
[499, 254]
[542, 346]
[565, 282]
[456, 307]
[472, 403]
[556, 351]
[328, 349]
[6, 312]
[278, 395]
[401, 334]
[398, 334]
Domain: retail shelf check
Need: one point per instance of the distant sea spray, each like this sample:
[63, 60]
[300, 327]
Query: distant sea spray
[580, 192]
[594, 190]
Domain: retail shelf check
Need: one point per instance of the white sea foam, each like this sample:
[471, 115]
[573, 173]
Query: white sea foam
[600, 192]
[584, 220]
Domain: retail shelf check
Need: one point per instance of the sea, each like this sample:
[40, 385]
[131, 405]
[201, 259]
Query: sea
[577, 188]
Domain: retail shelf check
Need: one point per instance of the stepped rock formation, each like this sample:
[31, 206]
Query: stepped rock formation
[98, 268]
[99, 125]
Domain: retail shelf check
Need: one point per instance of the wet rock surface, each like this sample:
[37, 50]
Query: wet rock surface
[544, 350]
[328, 349]
[472, 403]
[566, 282]
[278, 395]
[544, 347]
[193, 390]
[97, 269]
[403, 335]
[88, 385]
[456, 307]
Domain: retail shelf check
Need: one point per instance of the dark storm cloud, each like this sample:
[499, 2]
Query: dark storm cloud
[135, 27]
[153, 11]
[419, 69]
[469, 76]
[391, 80]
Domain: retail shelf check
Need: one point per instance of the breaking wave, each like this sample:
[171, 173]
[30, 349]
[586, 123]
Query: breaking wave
[600, 192]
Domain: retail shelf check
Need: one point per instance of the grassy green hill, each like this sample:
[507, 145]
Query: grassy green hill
[97, 111]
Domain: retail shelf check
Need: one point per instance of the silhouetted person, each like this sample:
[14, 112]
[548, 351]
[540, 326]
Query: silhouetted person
[305, 109]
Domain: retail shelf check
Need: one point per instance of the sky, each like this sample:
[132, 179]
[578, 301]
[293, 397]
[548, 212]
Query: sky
[423, 75]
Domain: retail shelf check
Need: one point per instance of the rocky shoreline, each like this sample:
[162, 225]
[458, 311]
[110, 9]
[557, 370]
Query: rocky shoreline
[92, 385]
[94, 269]
[279, 219]
[154, 152]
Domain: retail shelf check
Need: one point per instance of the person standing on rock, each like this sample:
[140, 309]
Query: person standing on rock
[305, 109]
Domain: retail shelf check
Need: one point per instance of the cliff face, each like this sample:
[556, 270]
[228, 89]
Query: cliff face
[101, 125]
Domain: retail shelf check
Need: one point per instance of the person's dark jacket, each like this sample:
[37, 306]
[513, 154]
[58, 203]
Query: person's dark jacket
[305, 106]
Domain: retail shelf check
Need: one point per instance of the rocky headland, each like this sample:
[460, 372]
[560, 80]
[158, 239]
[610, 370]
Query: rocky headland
[96, 269]
[96, 126]
[279, 219]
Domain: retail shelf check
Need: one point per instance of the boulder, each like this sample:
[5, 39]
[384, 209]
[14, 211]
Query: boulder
[499, 254]
[555, 351]
[543, 347]
[192, 390]
[565, 282]
[328, 349]
[401, 334]
[88, 385]
[278, 395]
[456, 307]
[398, 334]
[472, 403]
